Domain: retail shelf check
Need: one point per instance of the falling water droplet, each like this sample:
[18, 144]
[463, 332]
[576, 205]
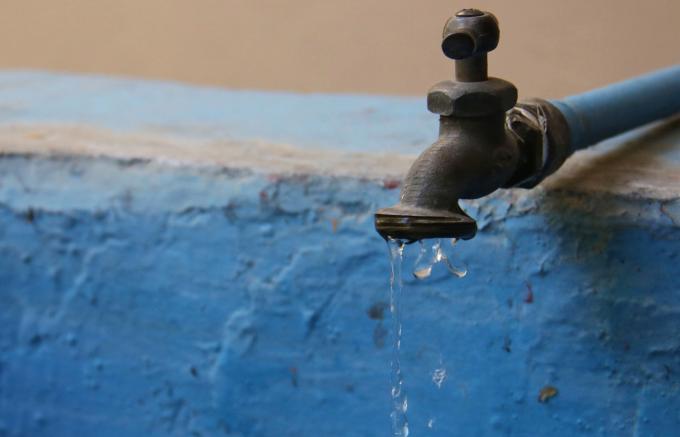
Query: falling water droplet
[423, 273]
[395, 392]
[423, 265]
[439, 376]
[461, 273]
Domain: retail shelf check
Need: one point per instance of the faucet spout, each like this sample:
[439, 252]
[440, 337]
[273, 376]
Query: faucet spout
[472, 158]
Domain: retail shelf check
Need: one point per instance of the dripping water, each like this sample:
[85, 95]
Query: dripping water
[439, 376]
[431, 255]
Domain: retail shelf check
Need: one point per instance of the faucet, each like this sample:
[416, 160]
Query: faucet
[489, 141]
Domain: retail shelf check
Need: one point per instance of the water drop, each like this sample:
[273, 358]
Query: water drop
[423, 265]
[461, 273]
[439, 376]
[395, 392]
[423, 273]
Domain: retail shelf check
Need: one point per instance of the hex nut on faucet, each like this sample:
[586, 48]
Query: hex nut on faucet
[471, 99]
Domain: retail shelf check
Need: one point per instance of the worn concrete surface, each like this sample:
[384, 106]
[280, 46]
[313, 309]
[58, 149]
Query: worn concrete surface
[157, 278]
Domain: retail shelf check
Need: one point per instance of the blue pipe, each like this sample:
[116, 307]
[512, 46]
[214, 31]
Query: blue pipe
[604, 112]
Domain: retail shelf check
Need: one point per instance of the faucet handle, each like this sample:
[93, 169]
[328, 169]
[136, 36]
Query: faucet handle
[467, 37]
[470, 32]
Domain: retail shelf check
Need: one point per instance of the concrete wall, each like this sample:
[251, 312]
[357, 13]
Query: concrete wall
[548, 48]
[156, 278]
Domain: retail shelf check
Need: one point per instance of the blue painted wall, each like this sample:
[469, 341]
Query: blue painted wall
[144, 299]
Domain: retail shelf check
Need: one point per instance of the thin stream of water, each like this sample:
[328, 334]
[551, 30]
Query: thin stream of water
[399, 399]
[431, 254]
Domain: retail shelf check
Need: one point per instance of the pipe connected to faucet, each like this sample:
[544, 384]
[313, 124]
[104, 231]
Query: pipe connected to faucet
[489, 141]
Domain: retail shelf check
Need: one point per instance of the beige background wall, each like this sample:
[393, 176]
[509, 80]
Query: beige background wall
[548, 48]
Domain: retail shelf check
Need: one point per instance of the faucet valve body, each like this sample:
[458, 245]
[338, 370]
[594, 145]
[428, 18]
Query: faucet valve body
[475, 153]
[488, 141]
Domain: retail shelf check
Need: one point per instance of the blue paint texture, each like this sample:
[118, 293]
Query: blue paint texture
[143, 299]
